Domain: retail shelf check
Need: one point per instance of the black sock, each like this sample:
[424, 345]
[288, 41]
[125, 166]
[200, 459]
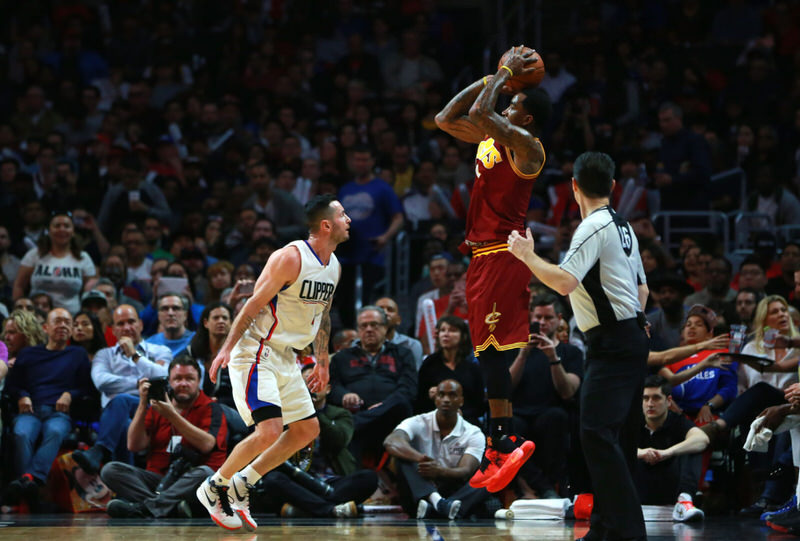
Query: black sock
[500, 426]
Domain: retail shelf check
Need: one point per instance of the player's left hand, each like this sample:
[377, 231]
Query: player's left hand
[318, 380]
[520, 246]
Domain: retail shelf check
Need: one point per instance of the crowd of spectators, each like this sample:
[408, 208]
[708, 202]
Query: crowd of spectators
[153, 155]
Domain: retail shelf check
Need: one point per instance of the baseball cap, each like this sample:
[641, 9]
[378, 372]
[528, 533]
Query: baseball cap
[94, 295]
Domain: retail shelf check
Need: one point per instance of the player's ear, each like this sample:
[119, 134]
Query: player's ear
[528, 120]
[613, 184]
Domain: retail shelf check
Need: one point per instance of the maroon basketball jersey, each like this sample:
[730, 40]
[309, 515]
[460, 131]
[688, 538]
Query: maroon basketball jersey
[500, 195]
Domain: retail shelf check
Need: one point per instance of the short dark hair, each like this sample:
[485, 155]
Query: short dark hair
[594, 172]
[758, 295]
[537, 103]
[184, 359]
[753, 260]
[318, 209]
[546, 299]
[654, 380]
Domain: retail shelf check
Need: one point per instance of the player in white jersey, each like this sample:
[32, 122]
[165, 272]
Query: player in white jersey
[289, 309]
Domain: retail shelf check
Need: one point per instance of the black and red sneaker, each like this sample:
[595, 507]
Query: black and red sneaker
[501, 462]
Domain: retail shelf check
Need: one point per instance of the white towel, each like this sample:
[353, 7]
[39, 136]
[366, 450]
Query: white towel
[551, 509]
[758, 437]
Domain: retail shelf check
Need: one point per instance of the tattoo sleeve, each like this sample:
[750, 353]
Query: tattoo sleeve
[323, 338]
[454, 118]
[459, 106]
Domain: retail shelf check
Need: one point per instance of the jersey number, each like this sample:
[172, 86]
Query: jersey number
[625, 238]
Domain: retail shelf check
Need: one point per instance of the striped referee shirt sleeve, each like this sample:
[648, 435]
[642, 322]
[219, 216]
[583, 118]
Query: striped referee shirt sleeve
[584, 250]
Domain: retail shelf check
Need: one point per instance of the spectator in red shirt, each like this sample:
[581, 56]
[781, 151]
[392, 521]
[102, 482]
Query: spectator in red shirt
[187, 440]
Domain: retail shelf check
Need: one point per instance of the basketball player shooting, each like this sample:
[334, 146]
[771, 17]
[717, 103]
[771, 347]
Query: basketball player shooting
[289, 308]
[509, 159]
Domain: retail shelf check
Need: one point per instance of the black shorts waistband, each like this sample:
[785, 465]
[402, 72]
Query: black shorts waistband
[618, 326]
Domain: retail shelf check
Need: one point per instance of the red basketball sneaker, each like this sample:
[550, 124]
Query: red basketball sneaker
[512, 462]
[501, 462]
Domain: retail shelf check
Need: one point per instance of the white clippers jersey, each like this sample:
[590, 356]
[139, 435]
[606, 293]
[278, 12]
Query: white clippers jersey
[292, 317]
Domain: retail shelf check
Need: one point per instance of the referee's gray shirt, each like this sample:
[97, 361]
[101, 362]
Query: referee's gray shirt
[604, 257]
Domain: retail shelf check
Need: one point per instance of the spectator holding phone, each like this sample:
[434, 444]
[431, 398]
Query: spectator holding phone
[172, 311]
[545, 377]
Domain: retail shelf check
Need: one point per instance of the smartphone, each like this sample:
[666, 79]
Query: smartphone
[247, 289]
[170, 284]
[535, 327]
[134, 195]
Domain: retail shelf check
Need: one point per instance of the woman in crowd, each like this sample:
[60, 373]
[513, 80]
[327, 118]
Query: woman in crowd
[215, 323]
[452, 359]
[57, 267]
[220, 278]
[20, 330]
[87, 332]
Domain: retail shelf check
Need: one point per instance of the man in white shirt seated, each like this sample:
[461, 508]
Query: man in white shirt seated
[116, 372]
[436, 454]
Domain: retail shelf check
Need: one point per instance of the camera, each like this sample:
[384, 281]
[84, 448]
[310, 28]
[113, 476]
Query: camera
[159, 389]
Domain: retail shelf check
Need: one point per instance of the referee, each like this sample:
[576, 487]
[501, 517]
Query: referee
[603, 275]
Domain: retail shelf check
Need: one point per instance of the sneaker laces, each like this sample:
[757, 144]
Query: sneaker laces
[223, 497]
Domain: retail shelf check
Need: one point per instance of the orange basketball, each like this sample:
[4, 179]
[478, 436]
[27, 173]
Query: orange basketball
[518, 82]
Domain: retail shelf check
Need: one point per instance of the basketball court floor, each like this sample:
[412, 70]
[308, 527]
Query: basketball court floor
[98, 527]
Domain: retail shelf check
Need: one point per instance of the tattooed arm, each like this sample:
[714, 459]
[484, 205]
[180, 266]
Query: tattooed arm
[282, 269]
[528, 153]
[320, 375]
[454, 118]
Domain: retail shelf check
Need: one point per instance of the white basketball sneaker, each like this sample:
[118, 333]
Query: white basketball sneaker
[240, 492]
[685, 511]
[216, 500]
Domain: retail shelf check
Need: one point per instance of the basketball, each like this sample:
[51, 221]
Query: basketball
[518, 82]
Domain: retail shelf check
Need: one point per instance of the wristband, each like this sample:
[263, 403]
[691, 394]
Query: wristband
[557, 361]
[710, 405]
[484, 81]
[507, 68]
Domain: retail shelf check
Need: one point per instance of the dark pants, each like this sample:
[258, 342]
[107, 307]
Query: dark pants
[371, 426]
[413, 487]
[139, 486]
[611, 413]
[114, 421]
[744, 409]
[356, 487]
[661, 483]
[549, 430]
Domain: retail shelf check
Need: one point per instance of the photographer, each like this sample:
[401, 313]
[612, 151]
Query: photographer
[186, 433]
[545, 376]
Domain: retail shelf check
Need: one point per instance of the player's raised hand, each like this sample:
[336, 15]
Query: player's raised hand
[221, 361]
[521, 246]
[518, 57]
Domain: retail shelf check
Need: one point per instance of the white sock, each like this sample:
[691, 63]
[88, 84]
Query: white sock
[219, 480]
[250, 474]
[434, 498]
[684, 497]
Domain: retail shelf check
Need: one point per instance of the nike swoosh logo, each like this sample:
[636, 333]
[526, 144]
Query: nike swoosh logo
[238, 496]
[210, 501]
